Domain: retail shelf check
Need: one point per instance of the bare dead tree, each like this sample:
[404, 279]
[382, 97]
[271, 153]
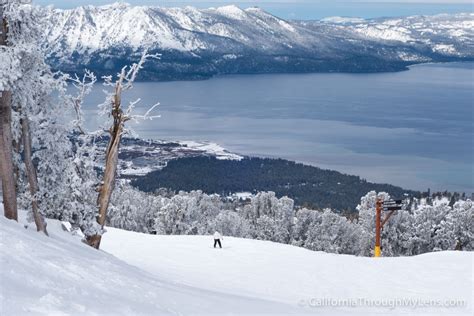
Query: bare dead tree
[6, 148]
[84, 86]
[31, 174]
[124, 82]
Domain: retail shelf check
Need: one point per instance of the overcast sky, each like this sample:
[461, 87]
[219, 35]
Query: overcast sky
[306, 9]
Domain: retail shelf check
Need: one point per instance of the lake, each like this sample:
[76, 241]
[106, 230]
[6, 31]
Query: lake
[413, 128]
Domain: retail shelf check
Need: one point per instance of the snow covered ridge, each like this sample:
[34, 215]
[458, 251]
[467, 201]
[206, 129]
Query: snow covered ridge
[139, 274]
[197, 43]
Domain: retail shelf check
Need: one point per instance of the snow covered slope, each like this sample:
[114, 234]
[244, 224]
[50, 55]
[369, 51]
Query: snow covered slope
[204, 42]
[137, 274]
[293, 275]
[62, 276]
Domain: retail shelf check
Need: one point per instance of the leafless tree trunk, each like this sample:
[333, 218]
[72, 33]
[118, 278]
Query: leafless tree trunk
[31, 174]
[123, 83]
[6, 150]
[111, 161]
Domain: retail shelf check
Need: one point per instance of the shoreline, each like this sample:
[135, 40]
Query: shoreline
[408, 67]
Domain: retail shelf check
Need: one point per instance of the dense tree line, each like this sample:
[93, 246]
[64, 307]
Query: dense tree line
[307, 185]
[424, 225]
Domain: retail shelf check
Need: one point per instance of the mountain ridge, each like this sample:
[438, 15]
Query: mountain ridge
[200, 43]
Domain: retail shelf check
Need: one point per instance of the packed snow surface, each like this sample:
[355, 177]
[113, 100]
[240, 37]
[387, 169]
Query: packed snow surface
[139, 274]
[60, 275]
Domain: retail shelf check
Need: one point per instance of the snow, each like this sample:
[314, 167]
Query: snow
[230, 56]
[342, 20]
[211, 148]
[131, 170]
[385, 32]
[243, 195]
[60, 275]
[231, 11]
[139, 274]
[90, 29]
[447, 49]
[290, 275]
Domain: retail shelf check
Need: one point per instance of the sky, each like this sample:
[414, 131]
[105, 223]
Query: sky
[305, 9]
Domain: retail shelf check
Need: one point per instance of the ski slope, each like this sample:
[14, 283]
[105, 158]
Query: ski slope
[138, 274]
[297, 276]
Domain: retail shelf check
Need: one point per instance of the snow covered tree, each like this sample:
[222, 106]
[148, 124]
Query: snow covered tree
[305, 219]
[284, 219]
[229, 223]
[333, 233]
[429, 221]
[172, 216]
[128, 208]
[462, 216]
[398, 234]
[30, 83]
[270, 218]
[113, 106]
[77, 197]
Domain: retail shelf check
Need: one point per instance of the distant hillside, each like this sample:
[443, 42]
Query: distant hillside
[200, 43]
[307, 185]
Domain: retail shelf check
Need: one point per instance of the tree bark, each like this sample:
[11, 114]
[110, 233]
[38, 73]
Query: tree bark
[6, 148]
[31, 174]
[6, 158]
[111, 161]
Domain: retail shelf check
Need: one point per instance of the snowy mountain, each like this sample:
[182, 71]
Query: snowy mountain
[140, 274]
[199, 43]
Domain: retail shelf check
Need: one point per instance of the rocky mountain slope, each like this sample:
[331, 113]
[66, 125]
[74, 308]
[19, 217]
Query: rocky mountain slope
[200, 43]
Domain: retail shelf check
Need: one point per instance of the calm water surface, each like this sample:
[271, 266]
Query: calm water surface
[412, 128]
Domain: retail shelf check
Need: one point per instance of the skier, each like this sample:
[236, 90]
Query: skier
[217, 239]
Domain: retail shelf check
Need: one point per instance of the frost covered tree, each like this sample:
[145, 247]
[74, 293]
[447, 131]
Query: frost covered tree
[187, 213]
[428, 225]
[119, 116]
[229, 223]
[79, 198]
[129, 207]
[463, 218]
[284, 219]
[398, 234]
[29, 82]
[172, 216]
[304, 220]
[270, 218]
[333, 233]
[438, 226]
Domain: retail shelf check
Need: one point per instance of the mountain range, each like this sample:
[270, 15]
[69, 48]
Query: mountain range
[200, 43]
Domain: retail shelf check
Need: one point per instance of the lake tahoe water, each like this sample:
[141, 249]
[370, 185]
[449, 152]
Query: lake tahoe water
[412, 128]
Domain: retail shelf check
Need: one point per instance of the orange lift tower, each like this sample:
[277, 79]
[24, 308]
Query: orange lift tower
[381, 205]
